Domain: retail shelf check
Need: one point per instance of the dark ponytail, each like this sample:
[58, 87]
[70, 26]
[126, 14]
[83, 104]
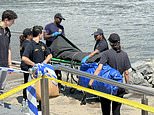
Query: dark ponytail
[116, 46]
[103, 36]
[22, 39]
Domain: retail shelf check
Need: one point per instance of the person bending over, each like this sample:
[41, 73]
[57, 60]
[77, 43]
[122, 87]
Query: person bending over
[117, 59]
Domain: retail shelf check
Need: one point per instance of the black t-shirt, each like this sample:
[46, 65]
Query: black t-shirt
[23, 46]
[101, 45]
[36, 52]
[119, 61]
[22, 49]
[5, 36]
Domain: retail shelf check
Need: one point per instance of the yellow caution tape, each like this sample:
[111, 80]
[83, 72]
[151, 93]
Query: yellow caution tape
[107, 96]
[17, 89]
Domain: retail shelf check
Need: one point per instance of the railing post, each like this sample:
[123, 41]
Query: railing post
[144, 100]
[44, 96]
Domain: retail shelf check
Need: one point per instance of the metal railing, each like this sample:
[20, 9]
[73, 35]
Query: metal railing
[45, 101]
[139, 89]
[44, 92]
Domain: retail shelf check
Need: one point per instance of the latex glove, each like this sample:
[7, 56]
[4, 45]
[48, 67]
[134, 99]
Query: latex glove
[55, 34]
[33, 69]
[85, 59]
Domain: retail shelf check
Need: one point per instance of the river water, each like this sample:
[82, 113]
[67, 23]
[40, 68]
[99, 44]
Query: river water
[133, 20]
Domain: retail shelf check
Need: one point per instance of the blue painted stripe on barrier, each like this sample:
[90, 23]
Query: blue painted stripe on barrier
[33, 108]
[31, 91]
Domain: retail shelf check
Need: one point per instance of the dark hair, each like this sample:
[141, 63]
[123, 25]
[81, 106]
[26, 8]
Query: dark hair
[9, 14]
[116, 46]
[22, 39]
[37, 30]
[103, 36]
[26, 32]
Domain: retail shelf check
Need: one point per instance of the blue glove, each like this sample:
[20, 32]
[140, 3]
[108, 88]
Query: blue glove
[85, 59]
[55, 34]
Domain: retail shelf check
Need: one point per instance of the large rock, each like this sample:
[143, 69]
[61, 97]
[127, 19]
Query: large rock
[142, 73]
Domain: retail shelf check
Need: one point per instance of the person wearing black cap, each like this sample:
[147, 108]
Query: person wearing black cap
[25, 39]
[100, 46]
[118, 59]
[52, 30]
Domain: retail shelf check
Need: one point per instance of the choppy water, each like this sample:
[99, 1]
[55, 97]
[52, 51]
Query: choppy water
[133, 20]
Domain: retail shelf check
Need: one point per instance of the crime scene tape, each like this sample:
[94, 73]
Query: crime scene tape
[18, 88]
[107, 96]
[12, 70]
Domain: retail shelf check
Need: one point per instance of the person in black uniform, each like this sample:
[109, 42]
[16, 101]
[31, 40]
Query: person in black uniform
[100, 46]
[118, 59]
[24, 41]
[36, 51]
[8, 19]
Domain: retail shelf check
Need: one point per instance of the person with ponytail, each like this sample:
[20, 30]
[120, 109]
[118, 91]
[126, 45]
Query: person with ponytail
[25, 39]
[100, 46]
[36, 51]
[117, 59]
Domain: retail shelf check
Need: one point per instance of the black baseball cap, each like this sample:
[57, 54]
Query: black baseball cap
[27, 31]
[58, 15]
[114, 38]
[97, 32]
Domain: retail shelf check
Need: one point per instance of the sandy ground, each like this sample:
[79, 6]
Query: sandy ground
[69, 104]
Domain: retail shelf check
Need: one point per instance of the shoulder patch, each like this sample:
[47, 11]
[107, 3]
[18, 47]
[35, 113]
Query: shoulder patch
[36, 50]
[43, 48]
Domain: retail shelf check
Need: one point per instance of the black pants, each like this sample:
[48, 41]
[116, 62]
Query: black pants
[106, 104]
[26, 75]
[59, 76]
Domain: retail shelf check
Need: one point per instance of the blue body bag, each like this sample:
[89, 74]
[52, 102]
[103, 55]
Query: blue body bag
[106, 72]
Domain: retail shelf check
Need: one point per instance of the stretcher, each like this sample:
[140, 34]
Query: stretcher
[67, 53]
[72, 64]
[86, 97]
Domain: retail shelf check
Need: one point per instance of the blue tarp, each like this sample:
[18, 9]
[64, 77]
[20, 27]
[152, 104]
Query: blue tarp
[106, 72]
